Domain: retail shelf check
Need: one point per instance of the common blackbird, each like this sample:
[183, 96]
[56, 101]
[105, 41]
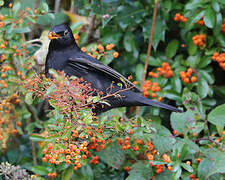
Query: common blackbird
[65, 55]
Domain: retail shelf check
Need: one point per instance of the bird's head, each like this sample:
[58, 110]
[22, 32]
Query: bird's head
[61, 36]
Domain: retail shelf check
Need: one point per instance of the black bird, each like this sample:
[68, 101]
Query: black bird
[65, 55]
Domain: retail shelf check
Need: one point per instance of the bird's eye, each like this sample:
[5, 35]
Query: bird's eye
[65, 32]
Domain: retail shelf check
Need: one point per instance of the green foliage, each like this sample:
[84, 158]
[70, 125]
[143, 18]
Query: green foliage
[193, 140]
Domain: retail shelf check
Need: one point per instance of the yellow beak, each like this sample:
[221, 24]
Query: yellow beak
[53, 35]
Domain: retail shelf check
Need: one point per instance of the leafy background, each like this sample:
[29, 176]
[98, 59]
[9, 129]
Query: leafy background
[196, 133]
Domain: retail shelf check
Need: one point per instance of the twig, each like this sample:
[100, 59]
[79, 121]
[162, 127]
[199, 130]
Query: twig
[149, 50]
[34, 153]
[149, 45]
[107, 96]
[90, 28]
[57, 4]
[72, 6]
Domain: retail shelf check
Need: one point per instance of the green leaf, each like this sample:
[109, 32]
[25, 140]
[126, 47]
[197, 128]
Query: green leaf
[41, 170]
[165, 175]
[221, 39]
[1, 2]
[16, 7]
[216, 6]
[194, 4]
[45, 6]
[37, 138]
[219, 21]
[202, 88]
[128, 41]
[68, 173]
[141, 170]
[162, 140]
[110, 37]
[181, 121]
[129, 15]
[176, 84]
[204, 61]
[187, 167]
[216, 116]
[171, 48]
[192, 49]
[139, 71]
[30, 127]
[160, 29]
[218, 163]
[108, 58]
[152, 61]
[193, 61]
[209, 18]
[22, 30]
[113, 155]
[29, 98]
[207, 76]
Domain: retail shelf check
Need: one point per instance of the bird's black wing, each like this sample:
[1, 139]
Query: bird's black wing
[100, 67]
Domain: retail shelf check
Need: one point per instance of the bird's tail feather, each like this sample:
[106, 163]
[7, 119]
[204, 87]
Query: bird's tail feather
[147, 102]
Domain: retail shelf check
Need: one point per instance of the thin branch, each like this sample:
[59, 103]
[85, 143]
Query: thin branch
[107, 96]
[34, 153]
[72, 6]
[149, 45]
[149, 50]
[57, 4]
[90, 28]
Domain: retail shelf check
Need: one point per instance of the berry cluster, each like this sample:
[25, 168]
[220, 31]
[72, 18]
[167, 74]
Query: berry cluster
[187, 77]
[220, 58]
[165, 71]
[150, 153]
[99, 51]
[52, 175]
[7, 117]
[200, 22]
[150, 88]
[199, 40]
[178, 17]
[70, 155]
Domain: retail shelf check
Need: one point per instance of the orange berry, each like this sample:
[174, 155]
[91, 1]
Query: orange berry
[193, 79]
[84, 156]
[2, 46]
[153, 95]
[10, 5]
[3, 76]
[68, 162]
[159, 98]
[198, 160]
[127, 168]
[131, 131]
[149, 156]
[1, 17]
[188, 163]
[136, 148]
[108, 47]
[18, 123]
[83, 49]
[115, 54]
[187, 80]
[44, 159]
[139, 141]
[169, 168]
[50, 146]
